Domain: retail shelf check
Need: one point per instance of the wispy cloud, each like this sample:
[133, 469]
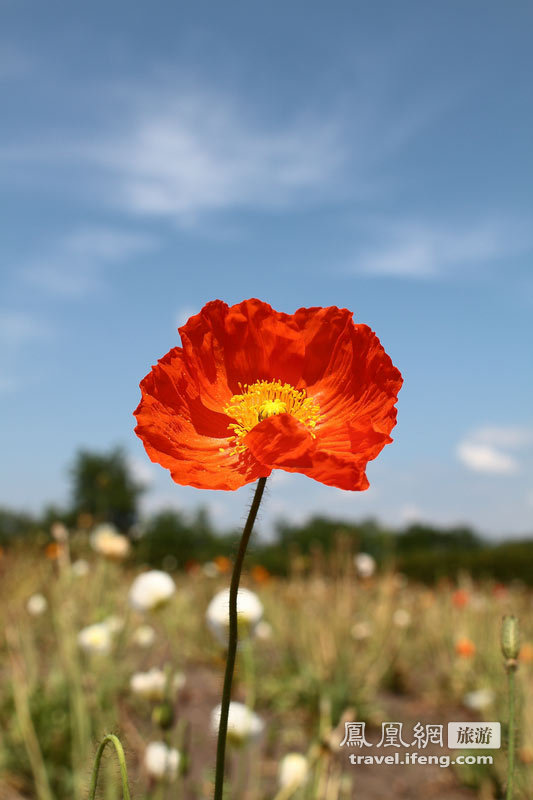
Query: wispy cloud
[189, 150]
[512, 436]
[493, 449]
[75, 265]
[423, 250]
[202, 153]
[486, 458]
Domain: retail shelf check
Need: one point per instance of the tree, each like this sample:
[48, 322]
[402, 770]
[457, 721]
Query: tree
[104, 487]
[15, 525]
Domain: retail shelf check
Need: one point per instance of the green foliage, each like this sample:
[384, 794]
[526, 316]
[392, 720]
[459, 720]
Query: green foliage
[16, 525]
[104, 487]
[427, 538]
[502, 562]
[169, 533]
[323, 533]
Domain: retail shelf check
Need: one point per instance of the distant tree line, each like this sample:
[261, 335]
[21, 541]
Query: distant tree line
[103, 489]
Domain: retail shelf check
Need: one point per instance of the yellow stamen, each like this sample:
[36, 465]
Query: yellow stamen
[264, 399]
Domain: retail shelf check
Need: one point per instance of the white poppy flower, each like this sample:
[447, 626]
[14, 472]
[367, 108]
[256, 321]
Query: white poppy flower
[244, 725]
[150, 590]
[293, 771]
[95, 638]
[401, 618]
[162, 762]
[365, 565]
[479, 700]
[152, 684]
[144, 636]
[80, 568]
[107, 541]
[37, 605]
[249, 613]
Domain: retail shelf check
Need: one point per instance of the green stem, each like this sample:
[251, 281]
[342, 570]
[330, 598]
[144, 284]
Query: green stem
[232, 639]
[114, 740]
[511, 748]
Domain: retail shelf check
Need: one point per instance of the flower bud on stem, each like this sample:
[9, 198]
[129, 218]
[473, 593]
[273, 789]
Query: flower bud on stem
[510, 644]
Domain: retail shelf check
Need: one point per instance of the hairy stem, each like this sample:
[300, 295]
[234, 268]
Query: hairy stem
[511, 746]
[232, 639]
[114, 740]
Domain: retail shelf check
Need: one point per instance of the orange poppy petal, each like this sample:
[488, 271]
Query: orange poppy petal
[225, 347]
[323, 331]
[360, 377]
[357, 396]
[342, 470]
[281, 442]
[183, 435]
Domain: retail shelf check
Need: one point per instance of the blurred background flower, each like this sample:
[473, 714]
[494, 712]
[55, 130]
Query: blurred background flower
[249, 613]
[151, 590]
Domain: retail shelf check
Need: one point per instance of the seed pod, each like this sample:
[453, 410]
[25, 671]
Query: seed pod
[510, 638]
[163, 715]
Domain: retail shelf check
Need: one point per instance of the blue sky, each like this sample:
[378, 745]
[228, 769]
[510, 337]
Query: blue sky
[375, 156]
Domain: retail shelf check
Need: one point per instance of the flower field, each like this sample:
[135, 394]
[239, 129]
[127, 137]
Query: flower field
[89, 648]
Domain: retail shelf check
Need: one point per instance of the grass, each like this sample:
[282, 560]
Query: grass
[338, 651]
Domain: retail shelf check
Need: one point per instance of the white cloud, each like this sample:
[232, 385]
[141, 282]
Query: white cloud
[75, 265]
[181, 155]
[512, 437]
[182, 150]
[424, 250]
[486, 449]
[486, 458]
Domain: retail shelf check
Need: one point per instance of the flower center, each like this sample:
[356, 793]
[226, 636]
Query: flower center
[264, 399]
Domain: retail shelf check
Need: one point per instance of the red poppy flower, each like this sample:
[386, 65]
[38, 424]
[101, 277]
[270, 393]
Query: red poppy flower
[460, 598]
[252, 390]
